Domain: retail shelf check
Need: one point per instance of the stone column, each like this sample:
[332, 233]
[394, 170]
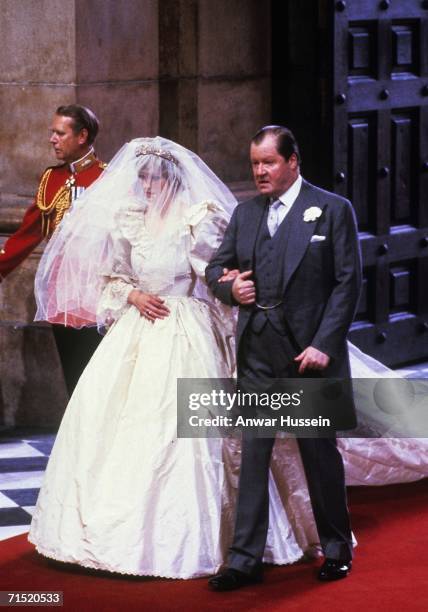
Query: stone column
[37, 74]
[214, 79]
[117, 68]
[234, 95]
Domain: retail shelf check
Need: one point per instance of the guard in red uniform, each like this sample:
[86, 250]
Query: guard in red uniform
[73, 132]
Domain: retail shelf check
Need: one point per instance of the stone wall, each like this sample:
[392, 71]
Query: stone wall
[195, 71]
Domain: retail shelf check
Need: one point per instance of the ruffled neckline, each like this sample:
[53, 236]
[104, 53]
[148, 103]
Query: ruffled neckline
[131, 222]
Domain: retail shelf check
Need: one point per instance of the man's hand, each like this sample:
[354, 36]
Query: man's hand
[150, 306]
[312, 359]
[228, 275]
[243, 290]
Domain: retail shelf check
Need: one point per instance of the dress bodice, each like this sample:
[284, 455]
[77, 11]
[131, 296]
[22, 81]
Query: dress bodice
[162, 265]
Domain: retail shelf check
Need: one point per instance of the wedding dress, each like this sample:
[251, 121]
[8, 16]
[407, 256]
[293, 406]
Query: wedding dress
[121, 492]
[388, 456]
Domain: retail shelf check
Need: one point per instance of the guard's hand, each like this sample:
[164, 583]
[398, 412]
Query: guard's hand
[312, 359]
[151, 307]
[244, 290]
[228, 275]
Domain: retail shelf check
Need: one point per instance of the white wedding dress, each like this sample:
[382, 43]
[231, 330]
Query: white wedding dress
[121, 492]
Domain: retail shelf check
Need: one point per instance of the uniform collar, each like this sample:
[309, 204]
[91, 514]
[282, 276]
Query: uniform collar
[84, 162]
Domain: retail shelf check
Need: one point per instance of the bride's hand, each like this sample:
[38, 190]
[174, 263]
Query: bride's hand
[228, 275]
[150, 306]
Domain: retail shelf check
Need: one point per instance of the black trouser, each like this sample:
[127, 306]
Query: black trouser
[270, 354]
[75, 348]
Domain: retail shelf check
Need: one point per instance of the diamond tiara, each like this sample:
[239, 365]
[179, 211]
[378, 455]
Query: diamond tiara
[151, 150]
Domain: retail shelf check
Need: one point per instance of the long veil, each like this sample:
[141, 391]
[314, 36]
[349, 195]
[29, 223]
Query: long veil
[154, 178]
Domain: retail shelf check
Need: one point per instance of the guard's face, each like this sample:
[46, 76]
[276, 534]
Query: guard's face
[67, 145]
[273, 174]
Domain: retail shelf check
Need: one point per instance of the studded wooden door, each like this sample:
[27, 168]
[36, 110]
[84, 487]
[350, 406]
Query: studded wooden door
[357, 75]
[380, 159]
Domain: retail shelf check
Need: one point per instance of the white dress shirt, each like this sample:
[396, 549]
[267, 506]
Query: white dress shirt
[288, 198]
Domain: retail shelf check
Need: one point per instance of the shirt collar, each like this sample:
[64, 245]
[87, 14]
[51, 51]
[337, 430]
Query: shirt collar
[289, 197]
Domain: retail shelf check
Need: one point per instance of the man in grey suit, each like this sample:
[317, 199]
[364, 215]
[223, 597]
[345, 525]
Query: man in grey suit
[295, 265]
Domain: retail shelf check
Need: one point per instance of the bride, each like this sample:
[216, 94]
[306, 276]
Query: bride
[121, 492]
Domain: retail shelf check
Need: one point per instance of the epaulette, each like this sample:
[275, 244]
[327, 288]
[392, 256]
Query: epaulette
[53, 167]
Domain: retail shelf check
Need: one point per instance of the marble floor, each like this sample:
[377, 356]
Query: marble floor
[23, 458]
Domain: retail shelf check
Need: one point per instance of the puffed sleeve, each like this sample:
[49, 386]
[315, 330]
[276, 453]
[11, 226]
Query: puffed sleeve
[119, 278]
[207, 222]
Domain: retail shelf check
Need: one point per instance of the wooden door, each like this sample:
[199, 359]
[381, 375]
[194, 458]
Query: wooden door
[368, 68]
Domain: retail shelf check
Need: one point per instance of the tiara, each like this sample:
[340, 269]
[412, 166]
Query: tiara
[151, 150]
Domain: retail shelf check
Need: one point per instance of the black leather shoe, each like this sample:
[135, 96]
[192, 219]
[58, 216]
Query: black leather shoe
[231, 579]
[334, 569]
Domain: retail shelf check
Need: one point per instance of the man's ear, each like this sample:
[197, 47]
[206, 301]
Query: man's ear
[83, 136]
[293, 161]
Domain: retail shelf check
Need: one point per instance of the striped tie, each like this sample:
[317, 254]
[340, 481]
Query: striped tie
[273, 217]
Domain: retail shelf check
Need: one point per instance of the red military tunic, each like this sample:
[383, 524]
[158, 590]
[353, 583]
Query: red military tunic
[57, 187]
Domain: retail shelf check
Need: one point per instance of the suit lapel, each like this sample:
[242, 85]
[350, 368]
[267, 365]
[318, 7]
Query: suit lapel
[299, 232]
[252, 224]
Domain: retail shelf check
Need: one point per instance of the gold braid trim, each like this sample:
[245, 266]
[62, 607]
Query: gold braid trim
[53, 212]
[41, 192]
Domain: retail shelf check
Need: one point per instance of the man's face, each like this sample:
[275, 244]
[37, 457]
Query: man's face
[67, 145]
[273, 175]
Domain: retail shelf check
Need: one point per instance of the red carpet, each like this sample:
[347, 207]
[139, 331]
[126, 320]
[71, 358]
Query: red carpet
[390, 570]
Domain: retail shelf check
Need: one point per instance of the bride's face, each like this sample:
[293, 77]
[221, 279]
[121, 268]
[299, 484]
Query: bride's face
[159, 186]
[153, 185]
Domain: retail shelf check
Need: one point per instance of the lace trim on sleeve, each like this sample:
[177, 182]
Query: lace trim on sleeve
[114, 300]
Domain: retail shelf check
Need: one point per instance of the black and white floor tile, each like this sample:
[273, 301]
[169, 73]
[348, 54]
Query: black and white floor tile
[23, 458]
